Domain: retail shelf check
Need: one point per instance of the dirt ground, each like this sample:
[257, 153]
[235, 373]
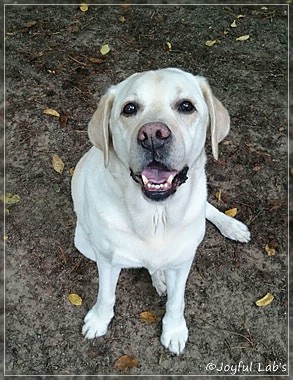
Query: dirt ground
[53, 60]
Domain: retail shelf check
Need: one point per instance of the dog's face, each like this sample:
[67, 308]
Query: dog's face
[156, 122]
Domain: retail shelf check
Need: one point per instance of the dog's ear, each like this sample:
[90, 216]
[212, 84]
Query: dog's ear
[219, 117]
[98, 128]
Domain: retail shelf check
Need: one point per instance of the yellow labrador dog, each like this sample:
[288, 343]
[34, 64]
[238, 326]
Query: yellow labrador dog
[140, 193]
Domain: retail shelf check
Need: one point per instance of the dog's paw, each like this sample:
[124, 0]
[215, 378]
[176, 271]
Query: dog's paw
[234, 229]
[174, 337]
[94, 325]
[159, 282]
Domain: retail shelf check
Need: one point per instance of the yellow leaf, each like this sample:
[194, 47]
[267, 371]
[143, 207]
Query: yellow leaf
[75, 299]
[5, 237]
[83, 7]
[232, 212]
[243, 38]
[50, 111]
[270, 251]
[266, 300]
[125, 362]
[219, 195]
[147, 316]
[9, 199]
[122, 19]
[105, 49]
[58, 164]
[211, 42]
[71, 171]
[225, 32]
[240, 16]
[233, 25]
[168, 45]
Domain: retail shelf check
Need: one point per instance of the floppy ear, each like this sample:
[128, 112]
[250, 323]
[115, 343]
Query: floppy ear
[219, 117]
[98, 128]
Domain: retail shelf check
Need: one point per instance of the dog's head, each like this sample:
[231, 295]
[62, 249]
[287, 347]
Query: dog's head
[156, 123]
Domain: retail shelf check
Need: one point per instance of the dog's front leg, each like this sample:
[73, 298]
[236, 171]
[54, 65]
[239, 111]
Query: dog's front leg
[175, 332]
[100, 315]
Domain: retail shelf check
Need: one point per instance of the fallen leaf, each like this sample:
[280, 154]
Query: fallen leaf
[125, 362]
[5, 237]
[122, 19]
[50, 111]
[219, 195]
[9, 199]
[264, 301]
[75, 299]
[168, 46]
[225, 32]
[270, 251]
[105, 49]
[147, 316]
[233, 25]
[211, 42]
[58, 164]
[83, 7]
[71, 171]
[243, 38]
[63, 120]
[29, 24]
[96, 60]
[232, 212]
[240, 16]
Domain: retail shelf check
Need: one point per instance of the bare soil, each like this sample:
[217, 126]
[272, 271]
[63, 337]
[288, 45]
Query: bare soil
[53, 61]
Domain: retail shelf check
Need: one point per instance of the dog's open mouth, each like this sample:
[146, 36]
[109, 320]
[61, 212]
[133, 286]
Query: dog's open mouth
[158, 182]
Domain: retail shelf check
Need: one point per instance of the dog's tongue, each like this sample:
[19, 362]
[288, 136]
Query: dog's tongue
[157, 175]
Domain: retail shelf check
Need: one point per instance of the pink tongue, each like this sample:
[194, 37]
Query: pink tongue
[157, 176]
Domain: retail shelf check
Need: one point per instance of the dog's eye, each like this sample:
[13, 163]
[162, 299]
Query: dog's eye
[130, 109]
[185, 107]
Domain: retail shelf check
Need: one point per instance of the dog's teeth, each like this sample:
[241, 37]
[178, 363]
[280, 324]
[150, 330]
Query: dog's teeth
[144, 179]
[170, 179]
[157, 187]
[149, 185]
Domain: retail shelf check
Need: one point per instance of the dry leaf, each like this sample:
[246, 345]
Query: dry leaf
[50, 111]
[225, 32]
[5, 237]
[9, 199]
[212, 42]
[83, 7]
[243, 38]
[75, 299]
[147, 316]
[125, 362]
[219, 195]
[29, 24]
[270, 251]
[122, 19]
[71, 171]
[232, 212]
[96, 60]
[58, 164]
[105, 49]
[168, 46]
[63, 120]
[266, 300]
[233, 25]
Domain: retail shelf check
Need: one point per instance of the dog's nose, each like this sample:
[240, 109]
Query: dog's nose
[153, 135]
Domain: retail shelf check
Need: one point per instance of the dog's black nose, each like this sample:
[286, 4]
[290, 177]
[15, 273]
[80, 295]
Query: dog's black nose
[152, 136]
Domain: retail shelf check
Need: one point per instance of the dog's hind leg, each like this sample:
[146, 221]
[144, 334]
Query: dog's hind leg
[228, 226]
[159, 281]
